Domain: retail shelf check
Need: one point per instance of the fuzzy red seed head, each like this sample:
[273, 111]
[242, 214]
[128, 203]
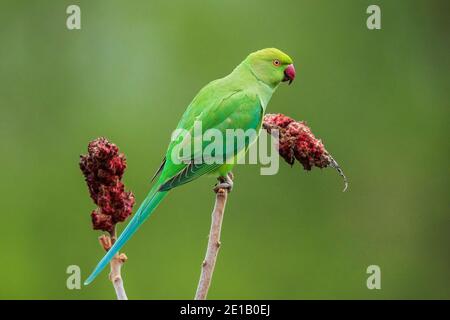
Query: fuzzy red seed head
[296, 141]
[102, 221]
[103, 168]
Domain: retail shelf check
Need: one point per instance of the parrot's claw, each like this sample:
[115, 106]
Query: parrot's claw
[224, 183]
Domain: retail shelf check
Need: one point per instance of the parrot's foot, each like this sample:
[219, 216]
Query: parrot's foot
[224, 183]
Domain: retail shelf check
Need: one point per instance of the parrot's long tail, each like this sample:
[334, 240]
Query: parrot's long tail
[147, 207]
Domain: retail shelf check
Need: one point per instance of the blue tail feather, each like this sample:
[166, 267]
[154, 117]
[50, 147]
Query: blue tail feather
[144, 211]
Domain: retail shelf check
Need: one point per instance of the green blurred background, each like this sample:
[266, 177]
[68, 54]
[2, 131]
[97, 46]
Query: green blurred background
[378, 99]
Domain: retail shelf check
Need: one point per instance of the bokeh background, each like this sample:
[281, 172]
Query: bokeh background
[378, 99]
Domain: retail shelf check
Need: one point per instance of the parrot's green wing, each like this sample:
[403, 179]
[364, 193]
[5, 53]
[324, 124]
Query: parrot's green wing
[238, 110]
[191, 172]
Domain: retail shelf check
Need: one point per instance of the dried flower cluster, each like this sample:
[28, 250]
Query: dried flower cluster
[103, 168]
[296, 141]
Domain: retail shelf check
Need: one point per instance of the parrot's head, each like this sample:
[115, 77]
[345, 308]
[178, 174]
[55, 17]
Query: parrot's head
[271, 66]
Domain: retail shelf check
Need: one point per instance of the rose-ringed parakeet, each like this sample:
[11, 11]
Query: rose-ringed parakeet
[237, 101]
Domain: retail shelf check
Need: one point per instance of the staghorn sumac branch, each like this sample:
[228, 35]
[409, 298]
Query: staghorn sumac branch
[103, 167]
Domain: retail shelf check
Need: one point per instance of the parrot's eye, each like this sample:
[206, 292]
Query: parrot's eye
[276, 63]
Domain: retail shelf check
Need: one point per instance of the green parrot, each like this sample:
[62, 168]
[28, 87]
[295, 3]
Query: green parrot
[237, 101]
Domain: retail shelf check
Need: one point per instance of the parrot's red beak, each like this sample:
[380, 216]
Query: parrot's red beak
[289, 73]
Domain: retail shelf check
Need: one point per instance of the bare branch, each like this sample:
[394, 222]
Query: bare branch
[116, 265]
[214, 238]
